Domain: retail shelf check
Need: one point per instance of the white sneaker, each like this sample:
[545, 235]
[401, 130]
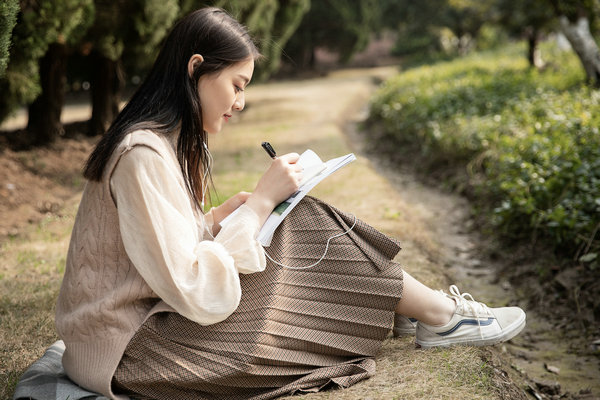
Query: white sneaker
[404, 326]
[473, 324]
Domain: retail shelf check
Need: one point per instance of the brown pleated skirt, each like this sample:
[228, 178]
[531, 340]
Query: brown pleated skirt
[295, 330]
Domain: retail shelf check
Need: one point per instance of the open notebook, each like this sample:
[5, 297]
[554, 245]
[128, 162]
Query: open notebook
[315, 170]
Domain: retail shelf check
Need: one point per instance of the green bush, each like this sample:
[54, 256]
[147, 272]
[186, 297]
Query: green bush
[529, 139]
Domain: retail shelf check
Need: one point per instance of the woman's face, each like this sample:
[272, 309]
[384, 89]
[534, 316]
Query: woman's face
[223, 92]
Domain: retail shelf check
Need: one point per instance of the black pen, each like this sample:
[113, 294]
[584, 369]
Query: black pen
[269, 149]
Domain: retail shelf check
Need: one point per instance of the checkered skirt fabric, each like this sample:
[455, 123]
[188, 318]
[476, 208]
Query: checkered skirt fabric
[294, 330]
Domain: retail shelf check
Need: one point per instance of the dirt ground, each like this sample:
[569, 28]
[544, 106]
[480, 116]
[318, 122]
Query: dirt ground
[441, 243]
[37, 182]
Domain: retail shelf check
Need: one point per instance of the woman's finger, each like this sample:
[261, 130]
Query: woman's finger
[290, 158]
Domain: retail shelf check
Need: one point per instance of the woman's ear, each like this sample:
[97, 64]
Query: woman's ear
[194, 61]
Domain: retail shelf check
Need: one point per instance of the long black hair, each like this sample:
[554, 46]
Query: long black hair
[168, 98]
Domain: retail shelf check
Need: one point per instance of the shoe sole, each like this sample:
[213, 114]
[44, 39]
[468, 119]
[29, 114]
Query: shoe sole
[505, 335]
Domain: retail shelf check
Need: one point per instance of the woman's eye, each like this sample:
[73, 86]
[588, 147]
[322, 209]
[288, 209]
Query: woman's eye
[238, 89]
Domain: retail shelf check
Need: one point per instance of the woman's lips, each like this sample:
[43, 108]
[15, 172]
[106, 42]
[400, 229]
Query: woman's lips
[226, 116]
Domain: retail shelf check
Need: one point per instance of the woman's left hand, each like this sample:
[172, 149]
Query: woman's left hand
[229, 206]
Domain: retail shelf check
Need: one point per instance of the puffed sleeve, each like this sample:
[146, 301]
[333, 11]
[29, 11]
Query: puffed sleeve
[198, 278]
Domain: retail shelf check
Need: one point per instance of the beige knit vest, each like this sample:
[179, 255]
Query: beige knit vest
[103, 300]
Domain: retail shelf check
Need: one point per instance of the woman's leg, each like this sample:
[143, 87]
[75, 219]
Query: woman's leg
[456, 318]
[424, 304]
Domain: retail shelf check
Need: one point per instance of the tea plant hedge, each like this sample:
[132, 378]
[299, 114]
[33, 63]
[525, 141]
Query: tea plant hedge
[528, 139]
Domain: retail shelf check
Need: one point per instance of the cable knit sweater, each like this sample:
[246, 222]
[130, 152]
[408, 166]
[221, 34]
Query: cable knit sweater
[139, 247]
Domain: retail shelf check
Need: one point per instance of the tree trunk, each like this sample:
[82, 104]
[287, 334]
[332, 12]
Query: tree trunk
[533, 52]
[44, 124]
[107, 84]
[531, 49]
[311, 58]
[579, 35]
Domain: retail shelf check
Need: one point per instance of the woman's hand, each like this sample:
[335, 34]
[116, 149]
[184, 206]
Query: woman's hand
[230, 205]
[278, 183]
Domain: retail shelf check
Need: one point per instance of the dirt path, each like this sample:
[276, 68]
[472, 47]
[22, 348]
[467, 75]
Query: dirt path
[439, 244]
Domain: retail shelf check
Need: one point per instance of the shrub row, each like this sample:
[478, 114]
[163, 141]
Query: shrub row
[529, 139]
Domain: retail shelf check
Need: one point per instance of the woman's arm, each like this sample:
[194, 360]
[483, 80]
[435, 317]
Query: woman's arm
[230, 205]
[199, 279]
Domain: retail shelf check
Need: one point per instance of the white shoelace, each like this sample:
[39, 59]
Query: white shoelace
[465, 299]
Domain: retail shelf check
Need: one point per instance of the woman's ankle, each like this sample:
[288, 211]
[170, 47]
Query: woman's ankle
[442, 315]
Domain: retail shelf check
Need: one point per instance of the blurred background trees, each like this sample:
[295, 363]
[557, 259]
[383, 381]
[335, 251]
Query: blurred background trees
[36, 70]
[340, 26]
[124, 32]
[528, 20]
[272, 23]
[50, 47]
[8, 19]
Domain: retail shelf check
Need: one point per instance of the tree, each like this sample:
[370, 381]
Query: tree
[112, 35]
[8, 19]
[342, 26]
[44, 124]
[271, 23]
[465, 19]
[428, 27]
[416, 22]
[575, 18]
[286, 21]
[133, 29]
[43, 28]
[522, 18]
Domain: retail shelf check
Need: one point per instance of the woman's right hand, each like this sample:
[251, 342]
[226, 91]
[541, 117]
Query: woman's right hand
[278, 183]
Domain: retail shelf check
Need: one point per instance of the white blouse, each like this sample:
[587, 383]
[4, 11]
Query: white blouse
[171, 245]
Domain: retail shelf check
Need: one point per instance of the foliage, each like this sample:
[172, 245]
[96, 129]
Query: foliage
[522, 17]
[465, 17]
[135, 28]
[272, 25]
[529, 140]
[270, 22]
[417, 32]
[38, 25]
[573, 9]
[429, 27]
[344, 27]
[8, 19]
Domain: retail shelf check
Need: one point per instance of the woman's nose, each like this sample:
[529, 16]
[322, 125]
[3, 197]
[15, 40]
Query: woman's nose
[240, 101]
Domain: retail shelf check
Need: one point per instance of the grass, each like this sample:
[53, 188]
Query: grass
[31, 272]
[293, 117]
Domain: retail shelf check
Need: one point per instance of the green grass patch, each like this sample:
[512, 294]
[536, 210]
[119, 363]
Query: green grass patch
[524, 141]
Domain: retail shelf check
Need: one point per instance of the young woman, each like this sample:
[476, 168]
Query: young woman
[159, 301]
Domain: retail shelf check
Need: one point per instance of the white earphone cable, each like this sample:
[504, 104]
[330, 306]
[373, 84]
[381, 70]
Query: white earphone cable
[204, 178]
[320, 259]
